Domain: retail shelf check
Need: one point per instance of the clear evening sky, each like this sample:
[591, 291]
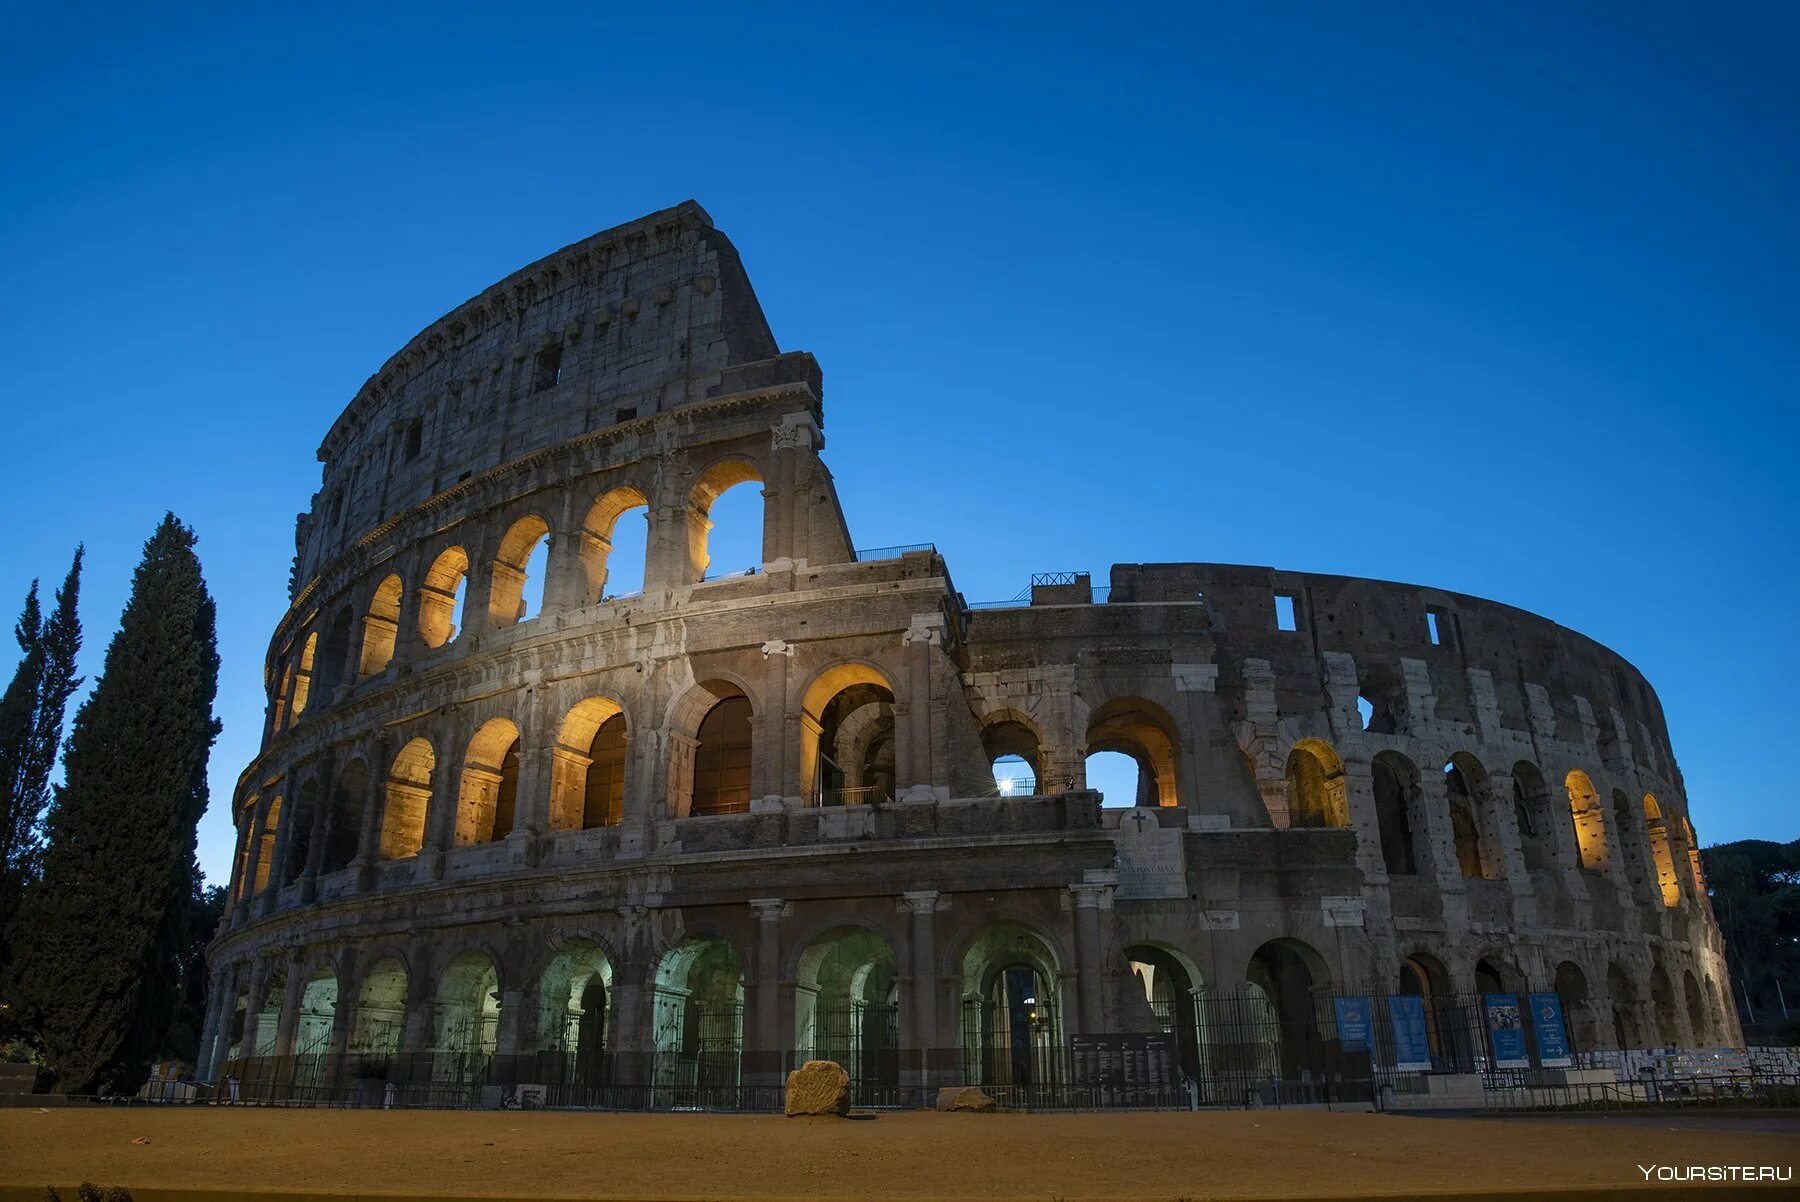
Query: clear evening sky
[1496, 298]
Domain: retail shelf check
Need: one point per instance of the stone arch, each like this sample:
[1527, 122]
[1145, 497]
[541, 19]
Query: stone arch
[334, 655]
[381, 627]
[1589, 818]
[1010, 739]
[1315, 786]
[1627, 1022]
[344, 815]
[847, 1007]
[466, 1022]
[1173, 992]
[303, 676]
[1658, 832]
[1696, 873]
[1011, 985]
[441, 596]
[1627, 823]
[711, 740]
[1291, 975]
[597, 534]
[575, 1010]
[1395, 783]
[712, 482]
[407, 800]
[381, 1008]
[832, 698]
[508, 598]
[1662, 1005]
[488, 793]
[1696, 1008]
[1474, 832]
[306, 803]
[1578, 1005]
[588, 766]
[1494, 973]
[698, 1018]
[1144, 731]
[1532, 811]
[265, 851]
[318, 1013]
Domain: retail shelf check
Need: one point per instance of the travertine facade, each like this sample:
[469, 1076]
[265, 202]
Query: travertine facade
[711, 829]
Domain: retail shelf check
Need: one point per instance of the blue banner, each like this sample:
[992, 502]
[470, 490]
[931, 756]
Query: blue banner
[1506, 1030]
[1352, 1023]
[1412, 1050]
[1552, 1035]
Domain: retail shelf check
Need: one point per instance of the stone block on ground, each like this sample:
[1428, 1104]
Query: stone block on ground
[966, 1097]
[818, 1087]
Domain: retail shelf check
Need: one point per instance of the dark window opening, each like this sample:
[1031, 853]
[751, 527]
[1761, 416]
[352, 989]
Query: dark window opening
[548, 368]
[415, 439]
[626, 415]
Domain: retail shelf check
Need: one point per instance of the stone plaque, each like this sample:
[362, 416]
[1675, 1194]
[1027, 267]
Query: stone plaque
[1149, 859]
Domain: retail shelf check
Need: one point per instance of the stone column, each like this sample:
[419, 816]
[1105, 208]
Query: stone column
[1499, 801]
[284, 831]
[1093, 895]
[1431, 818]
[322, 817]
[913, 769]
[441, 816]
[290, 1008]
[762, 1058]
[368, 835]
[783, 751]
[260, 968]
[221, 1000]
[1365, 819]
[247, 893]
[514, 1004]
[918, 1016]
[417, 1033]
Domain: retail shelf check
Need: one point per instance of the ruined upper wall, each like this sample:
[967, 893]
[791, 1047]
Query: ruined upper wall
[629, 322]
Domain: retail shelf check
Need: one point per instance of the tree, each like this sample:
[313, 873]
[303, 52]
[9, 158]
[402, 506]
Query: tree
[1755, 889]
[31, 723]
[98, 940]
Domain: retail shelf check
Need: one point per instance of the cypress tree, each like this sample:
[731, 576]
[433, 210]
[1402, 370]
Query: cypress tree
[97, 941]
[31, 722]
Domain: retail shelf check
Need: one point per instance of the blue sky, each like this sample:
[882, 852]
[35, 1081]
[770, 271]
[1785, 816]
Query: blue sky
[1498, 298]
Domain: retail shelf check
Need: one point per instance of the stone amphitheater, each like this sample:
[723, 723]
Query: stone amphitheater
[531, 812]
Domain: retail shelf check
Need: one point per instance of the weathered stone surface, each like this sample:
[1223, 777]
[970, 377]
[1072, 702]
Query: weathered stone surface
[818, 1087]
[966, 1097]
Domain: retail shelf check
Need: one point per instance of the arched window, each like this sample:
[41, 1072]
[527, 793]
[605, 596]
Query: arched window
[1395, 782]
[518, 588]
[1589, 817]
[441, 597]
[344, 816]
[1660, 855]
[1011, 747]
[722, 751]
[1531, 809]
[303, 674]
[725, 533]
[489, 789]
[1142, 732]
[1696, 874]
[265, 853]
[587, 772]
[334, 656]
[615, 545]
[847, 737]
[1472, 823]
[1315, 786]
[407, 800]
[381, 627]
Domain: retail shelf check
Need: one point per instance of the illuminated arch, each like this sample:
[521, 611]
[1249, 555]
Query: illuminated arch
[381, 628]
[597, 534]
[1142, 730]
[507, 601]
[1589, 816]
[441, 594]
[407, 800]
[1315, 786]
[845, 713]
[588, 766]
[1658, 832]
[488, 793]
[722, 475]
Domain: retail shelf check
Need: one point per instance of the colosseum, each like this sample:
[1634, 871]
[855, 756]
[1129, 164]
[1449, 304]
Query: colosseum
[529, 812]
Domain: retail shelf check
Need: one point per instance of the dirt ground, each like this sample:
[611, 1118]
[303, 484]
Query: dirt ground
[246, 1152]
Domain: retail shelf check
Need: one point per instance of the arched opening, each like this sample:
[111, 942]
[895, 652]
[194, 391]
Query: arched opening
[279, 717]
[240, 873]
[847, 1009]
[1011, 1032]
[719, 764]
[1696, 874]
[334, 656]
[1381, 699]
[1658, 832]
[1465, 789]
[240, 1016]
[1142, 732]
[1287, 972]
[1492, 976]
[265, 1039]
[380, 1017]
[441, 597]
[574, 1020]
[303, 675]
[1117, 777]
[1012, 750]
[312, 1030]
[1395, 783]
[1696, 1010]
[299, 845]
[847, 737]
[615, 545]
[381, 628]
[725, 521]
[587, 767]
[1172, 991]
[1315, 786]
[406, 800]
[699, 1023]
[1531, 810]
[488, 797]
[1425, 977]
[517, 592]
[343, 818]
[1578, 1006]
[467, 1030]
[1589, 817]
[1628, 1031]
[265, 851]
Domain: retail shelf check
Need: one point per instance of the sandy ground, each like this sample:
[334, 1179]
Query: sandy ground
[1240, 1154]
